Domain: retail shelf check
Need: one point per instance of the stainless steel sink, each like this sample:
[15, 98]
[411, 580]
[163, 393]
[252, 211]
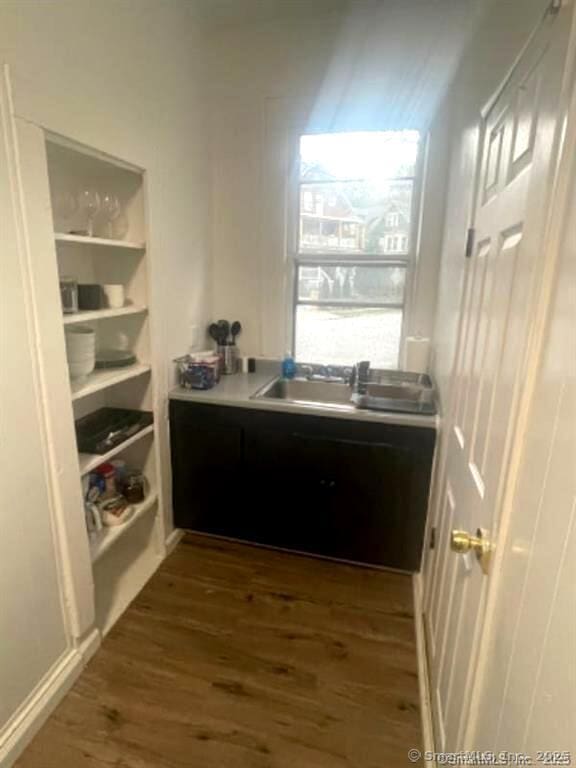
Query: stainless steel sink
[384, 376]
[334, 393]
[394, 391]
[407, 399]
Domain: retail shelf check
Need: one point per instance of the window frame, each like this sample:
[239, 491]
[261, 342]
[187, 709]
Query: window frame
[409, 259]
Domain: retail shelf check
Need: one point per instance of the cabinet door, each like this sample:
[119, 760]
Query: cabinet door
[361, 500]
[206, 470]
[342, 489]
[355, 501]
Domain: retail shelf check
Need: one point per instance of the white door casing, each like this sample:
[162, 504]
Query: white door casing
[34, 632]
[520, 143]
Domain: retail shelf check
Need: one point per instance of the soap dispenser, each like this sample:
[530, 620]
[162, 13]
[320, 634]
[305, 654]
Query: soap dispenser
[288, 366]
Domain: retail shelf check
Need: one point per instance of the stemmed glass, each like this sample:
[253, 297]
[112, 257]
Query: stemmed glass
[110, 210]
[89, 205]
[65, 206]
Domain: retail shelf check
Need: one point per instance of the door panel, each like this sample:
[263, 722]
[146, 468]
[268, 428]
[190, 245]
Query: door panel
[518, 156]
[535, 612]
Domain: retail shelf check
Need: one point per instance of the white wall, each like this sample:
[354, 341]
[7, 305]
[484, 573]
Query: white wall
[33, 628]
[272, 77]
[492, 51]
[127, 78]
[256, 70]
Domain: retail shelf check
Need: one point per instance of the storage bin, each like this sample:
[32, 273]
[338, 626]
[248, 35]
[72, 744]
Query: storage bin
[198, 371]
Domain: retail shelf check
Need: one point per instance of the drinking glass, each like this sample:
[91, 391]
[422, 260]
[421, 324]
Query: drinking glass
[110, 210]
[65, 206]
[89, 205]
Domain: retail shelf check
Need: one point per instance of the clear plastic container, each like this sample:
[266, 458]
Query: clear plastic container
[69, 295]
[198, 371]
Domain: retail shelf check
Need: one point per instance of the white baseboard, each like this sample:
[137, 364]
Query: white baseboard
[89, 644]
[173, 540]
[22, 728]
[423, 675]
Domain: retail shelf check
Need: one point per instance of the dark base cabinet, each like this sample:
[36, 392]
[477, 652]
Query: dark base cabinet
[346, 489]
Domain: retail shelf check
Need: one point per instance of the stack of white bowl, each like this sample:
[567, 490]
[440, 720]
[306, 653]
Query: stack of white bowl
[80, 350]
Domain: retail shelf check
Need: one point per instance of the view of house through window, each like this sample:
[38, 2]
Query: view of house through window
[354, 239]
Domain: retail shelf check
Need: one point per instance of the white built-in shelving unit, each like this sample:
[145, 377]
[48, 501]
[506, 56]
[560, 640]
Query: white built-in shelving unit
[63, 237]
[122, 557]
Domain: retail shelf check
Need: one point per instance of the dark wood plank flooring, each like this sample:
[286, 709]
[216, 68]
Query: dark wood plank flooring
[240, 657]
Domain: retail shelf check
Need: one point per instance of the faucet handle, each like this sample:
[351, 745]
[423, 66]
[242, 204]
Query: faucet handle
[363, 367]
[362, 376]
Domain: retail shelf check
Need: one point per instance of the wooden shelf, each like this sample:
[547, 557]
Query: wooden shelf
[101, 541]
[86, 316]
[107, 377]
[89, 461]
[62, 237]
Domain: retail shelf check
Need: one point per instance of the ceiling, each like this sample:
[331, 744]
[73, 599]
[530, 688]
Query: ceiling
[391, 61]
[216, 12]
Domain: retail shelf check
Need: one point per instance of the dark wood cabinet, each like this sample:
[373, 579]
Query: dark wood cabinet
[347, 489]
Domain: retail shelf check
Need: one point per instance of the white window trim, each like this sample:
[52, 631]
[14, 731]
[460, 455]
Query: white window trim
[294, 258]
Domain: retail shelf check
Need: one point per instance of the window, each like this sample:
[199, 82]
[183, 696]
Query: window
[353, 250]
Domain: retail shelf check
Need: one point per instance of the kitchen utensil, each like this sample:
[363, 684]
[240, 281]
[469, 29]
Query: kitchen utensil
[115, 295]
[235, 330]
[90, 296]
[89, 205]
[214, 332]
[69, 295]
[114, 358]
[223, 331]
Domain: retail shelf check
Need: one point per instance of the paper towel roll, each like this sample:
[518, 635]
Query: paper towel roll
[416, 354]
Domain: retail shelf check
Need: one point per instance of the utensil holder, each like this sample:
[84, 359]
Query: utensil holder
[229, 356]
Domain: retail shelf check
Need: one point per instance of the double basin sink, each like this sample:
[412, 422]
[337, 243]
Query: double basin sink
[395, 391]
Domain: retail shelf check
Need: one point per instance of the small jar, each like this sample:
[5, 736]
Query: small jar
[108, 473]
[134, 487]
[69, 295]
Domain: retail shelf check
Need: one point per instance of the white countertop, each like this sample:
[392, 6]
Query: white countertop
[238, 389]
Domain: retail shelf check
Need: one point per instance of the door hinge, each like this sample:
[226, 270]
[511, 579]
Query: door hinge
[470, 237]
[432, 541]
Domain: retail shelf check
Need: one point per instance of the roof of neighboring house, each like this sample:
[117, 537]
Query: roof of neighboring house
[372, 215]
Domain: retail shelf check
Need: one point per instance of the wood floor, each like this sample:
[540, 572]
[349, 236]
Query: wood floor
[239, 657]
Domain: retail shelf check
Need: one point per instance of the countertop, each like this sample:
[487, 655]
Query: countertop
[237, 390]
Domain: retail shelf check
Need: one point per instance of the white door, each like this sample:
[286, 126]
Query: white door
[533, 622]
[519, 148]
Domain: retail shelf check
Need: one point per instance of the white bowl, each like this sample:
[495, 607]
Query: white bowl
[80, 370]
[80, 335]
[80, 342]
[82, 360]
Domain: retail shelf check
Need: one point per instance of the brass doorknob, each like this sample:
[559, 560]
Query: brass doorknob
[463, 542]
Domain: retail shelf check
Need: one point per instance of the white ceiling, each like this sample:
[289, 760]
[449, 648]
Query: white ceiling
[392, 60]
[254, 11]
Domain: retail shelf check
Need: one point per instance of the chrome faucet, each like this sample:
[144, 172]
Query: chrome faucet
[360, 377]
[308, 372]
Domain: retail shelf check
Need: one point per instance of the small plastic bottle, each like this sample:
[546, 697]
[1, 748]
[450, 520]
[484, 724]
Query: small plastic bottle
[288, 366]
